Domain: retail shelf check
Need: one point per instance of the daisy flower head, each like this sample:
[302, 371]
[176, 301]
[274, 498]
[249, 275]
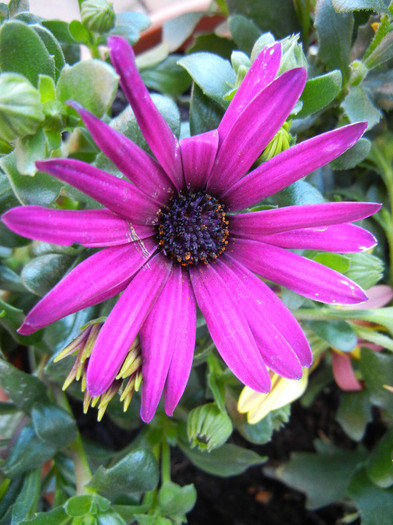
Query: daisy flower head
[171, 241]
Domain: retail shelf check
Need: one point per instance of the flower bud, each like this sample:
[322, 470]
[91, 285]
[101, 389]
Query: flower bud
[20, 107]
[97, 15]
[280, 142]
[208, 427]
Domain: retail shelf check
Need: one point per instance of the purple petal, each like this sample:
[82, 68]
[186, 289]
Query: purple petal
[228, 327]
[252, 131]
[155, 129]
[198, 155]
[297, 273]
[276, 351]
[124, 323]
[341, 238]
[116, 194]
[66, 227]
[169, 329]
[181, 363]
[267, 222]
[261, 73]
[101, 276]
[291, 165]
[131, 160]
[274, 310]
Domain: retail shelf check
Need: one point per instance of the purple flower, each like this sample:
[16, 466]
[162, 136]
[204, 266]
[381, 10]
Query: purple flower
[172, 243]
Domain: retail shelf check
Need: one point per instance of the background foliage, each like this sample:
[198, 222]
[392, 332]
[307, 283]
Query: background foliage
[53, 470]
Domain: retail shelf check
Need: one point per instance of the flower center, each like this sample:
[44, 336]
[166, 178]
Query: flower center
[193, 228]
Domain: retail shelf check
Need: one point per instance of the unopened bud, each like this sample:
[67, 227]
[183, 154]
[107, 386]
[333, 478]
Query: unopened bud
[97, 15]
[208, 427]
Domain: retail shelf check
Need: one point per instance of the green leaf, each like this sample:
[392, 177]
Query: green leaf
[319, 92]
[375, 504]
[176, 31]
[22, 51]
[352, 157]
[28, 452]
[40, 274]
[345, 6]
[213, 44]
[354, 413]
[358, 107]
[9, 280]
[60, 29]
[377, 370]
[23, 389]
[92, 83]
[175, 500]
[338, 334]
[167, 77]
[364, 268]
[53, 425]
[244, 32]
[280, 21]
[298, 193]
[27, 500]
[28, 150]
[380, 84]
[20, 107]
[205, 114]
[229, 460]
[382, 53]
[323, 476]
[380, 466]
[78, 506]
[213, 74]
[335, 37]
[56, 516]
[371, 335]
[136, 472]
[79, 32]
[337, 262]
[17, 6]
[42, 189]
[53, 47]
[130, 24]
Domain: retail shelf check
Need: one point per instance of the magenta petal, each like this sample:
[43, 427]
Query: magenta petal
[124, 323]
[116, 194]
[131, 160]
[66, 227]
[291, 165]
[274, 310]
[303, 276]
[169, 329]
[261, 73]
[276, 351]
[267, 222]
[228, 327]
[101, 276]
[341, 238]
[155, 129]
[255, 127]
[198, 156]
[181, 363]
[344, 374]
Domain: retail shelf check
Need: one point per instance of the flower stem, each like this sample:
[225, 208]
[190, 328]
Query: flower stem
[78, 455]
[165, 462]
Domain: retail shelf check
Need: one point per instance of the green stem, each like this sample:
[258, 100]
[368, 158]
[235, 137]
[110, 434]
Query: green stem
[78, 455]
[165, 462]
[387, 175]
